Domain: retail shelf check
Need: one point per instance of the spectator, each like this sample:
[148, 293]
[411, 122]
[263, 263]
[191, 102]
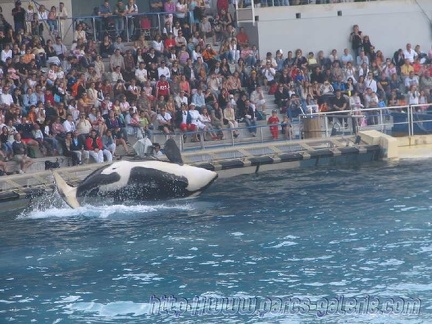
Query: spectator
[165, 121]
[19, 150]
[409, 54]
[273, 121]
[250, 117]
[230, 118]
[356, 39]
[95, 148]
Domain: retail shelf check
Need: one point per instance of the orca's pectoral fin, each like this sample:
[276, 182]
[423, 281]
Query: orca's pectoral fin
[172, 152]
[67, 192]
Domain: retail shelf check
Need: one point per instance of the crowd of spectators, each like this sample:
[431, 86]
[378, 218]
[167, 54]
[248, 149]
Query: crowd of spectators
[196, 76]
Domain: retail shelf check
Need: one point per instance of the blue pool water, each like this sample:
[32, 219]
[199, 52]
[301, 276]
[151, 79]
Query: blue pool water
[340, 245]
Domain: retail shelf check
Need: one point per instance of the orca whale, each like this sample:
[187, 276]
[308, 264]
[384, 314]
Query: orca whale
[138, 181]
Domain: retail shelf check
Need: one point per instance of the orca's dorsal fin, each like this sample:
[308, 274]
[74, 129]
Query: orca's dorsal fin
[172, 152]
[68, 193]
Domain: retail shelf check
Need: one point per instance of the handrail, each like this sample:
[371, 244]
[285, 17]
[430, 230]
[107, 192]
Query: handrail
[97, 17]
[127, 18]
[382, 121]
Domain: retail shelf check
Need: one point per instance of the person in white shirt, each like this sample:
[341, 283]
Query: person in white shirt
[164, 70]
[116, 75]
[69, 124]
[141, 74]
[181, 99]
[269, 73]
[6, 98]
[6, 53]
[164, 120]
[62, 15]
[197, 121]
[409, 53]
[158, 45]
[257, 98]
[370, 82]
[413, 95]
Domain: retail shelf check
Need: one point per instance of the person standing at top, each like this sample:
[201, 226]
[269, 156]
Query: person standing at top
[19, 15]
[62, 15]
[104, 12]
[356, 39]
[131, 10]
[119, 21]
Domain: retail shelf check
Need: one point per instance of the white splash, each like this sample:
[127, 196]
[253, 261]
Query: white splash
[100, 211]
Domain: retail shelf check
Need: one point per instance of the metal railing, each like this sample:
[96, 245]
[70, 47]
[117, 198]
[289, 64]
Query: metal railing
[134, 25]
[98, 26]
[276, 3]
[406, 120]
[262, 135]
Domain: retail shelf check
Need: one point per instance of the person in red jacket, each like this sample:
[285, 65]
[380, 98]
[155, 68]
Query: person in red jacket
[273, 121]
[95, 148]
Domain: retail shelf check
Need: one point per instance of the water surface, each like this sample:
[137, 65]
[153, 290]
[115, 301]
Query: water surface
[327, 236]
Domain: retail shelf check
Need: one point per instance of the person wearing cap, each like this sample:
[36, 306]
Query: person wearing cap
[273, 121]
[197, 121]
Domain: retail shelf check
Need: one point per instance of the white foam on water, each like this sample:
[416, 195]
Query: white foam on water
[119, 308]
[100, 211]
[237, 234]
[145, 277]
[282, 244]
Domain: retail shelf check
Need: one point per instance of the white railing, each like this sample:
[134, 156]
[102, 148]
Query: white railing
[398, 120]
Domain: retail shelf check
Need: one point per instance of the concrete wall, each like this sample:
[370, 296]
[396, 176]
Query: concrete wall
[390, 25]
